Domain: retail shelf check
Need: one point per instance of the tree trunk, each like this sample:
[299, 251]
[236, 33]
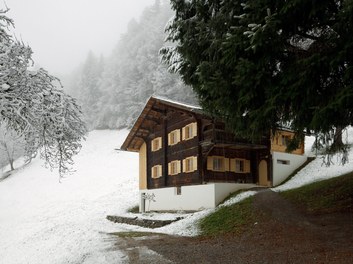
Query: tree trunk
[337, 138]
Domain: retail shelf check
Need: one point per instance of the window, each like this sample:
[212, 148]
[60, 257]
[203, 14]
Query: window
[285, 140]
[156, 144]
[156, 171]
[218, 164]
[189, 131]
[190, 164]
[178, 190]
[174, 137]
[240, 165]
[174, 167]
[284, 162]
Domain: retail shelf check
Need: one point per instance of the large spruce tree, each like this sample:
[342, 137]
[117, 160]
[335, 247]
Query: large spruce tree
[261, 64]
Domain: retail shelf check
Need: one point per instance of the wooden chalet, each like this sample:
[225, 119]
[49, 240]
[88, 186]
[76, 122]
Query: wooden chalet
[179, 146]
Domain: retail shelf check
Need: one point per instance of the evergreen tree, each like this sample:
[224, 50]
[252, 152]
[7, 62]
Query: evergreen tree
[132, 74]
[260, 64]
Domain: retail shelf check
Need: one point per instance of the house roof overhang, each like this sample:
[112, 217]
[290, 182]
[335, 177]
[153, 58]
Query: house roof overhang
[153, 114]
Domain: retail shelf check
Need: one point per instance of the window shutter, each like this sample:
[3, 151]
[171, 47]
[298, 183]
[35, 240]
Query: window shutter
[194, 163]
[194, 129]
[184, 165]
[210, 163]
[178, 166]
[169, 168]
[226, 164]
[247, 166]
[183, 133]
[169, 141]
[160, 142]
[177, 136]
[159, 170]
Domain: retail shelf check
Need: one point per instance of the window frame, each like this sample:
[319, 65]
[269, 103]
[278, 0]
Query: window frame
[190, 164]
[189, 131]
[156, 171]
[174, 167]
[174, 137]
[158, 141]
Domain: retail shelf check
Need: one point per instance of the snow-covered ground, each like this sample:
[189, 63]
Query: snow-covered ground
[44, 221]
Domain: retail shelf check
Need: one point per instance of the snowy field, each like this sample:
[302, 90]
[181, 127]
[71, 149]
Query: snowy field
[44, 221]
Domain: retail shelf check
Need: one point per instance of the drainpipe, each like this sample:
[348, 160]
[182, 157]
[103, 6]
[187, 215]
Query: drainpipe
[142, 203]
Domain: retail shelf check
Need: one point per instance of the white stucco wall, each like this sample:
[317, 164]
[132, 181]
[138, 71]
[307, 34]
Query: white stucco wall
[282, 171]
[194, 197]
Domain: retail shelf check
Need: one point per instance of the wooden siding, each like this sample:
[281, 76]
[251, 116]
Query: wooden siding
[277, 144]
[175, 120]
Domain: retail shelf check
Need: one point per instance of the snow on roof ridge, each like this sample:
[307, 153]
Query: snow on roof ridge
[175, 102]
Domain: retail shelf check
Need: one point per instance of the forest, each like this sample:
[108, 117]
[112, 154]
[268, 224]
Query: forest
[113, 90]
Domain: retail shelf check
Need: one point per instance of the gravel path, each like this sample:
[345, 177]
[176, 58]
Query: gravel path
[282, 234]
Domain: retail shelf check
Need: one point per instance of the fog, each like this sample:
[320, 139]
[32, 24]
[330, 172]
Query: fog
[62, 32]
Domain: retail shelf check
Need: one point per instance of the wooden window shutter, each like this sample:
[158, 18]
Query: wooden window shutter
[194, 163]
[177, 136]
[159, 170]
[226, 164]
[183, 130]
[210, 163]
[169, 141]
[160, 142]
[178, 167]
[184, 165]
[169, 168]
[194, 129]
[247, 166]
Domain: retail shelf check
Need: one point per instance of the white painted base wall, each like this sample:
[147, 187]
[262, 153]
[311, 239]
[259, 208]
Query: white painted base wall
[194, 197]
[282, 171]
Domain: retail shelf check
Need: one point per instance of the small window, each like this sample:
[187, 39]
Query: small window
[178, 190]
[190, 164]
[218, 164]
[283, 162]
[156, 171]
[174, 167]
[285, 140]
[174, 137]
[189, 131]
[239, 165]
[156, 144]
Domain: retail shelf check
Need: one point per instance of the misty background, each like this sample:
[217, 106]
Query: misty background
[113, 69]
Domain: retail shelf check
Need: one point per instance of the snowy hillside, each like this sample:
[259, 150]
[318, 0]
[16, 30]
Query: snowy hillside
[44, 221]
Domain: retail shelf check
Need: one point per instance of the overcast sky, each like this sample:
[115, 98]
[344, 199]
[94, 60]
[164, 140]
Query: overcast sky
[61, 32]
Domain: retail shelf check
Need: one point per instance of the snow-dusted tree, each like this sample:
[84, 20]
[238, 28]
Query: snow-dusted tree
[12, 146]
[33, 104]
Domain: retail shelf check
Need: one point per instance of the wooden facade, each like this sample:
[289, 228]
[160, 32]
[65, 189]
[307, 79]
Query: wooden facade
[179, 145]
